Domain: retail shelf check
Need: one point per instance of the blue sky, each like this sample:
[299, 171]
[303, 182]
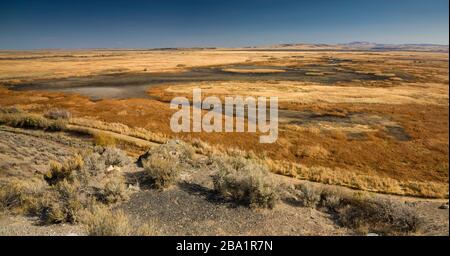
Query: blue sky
[153, 24]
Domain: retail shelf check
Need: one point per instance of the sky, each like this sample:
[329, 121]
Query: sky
[215, 23]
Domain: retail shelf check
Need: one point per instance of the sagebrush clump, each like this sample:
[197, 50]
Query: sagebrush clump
[162, 171]
[64, 171]
[100, 221]
[58, 114]
[68, 188]
[380, 216]
[164, 163]
[114, 189]
[113, 156]
[310, 195]
[245, 181]
[22, 196]
[64, 202]
[360, 211]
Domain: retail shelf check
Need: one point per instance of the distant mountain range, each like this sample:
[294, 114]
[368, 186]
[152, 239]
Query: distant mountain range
[366, 46]
[376, 46]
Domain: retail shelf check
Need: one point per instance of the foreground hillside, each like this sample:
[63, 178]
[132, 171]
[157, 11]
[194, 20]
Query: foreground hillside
[65, 183]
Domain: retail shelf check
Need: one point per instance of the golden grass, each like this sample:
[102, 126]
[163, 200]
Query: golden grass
[103, 139]
[119, 128]
[253, 71]
[416, 167]
[309, 93]
[19, 66]
[31, 121]
[355, 180]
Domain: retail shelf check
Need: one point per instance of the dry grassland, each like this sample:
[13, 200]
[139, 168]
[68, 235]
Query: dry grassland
[387, 133]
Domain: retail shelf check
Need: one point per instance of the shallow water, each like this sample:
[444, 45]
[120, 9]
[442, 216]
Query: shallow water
[132, 85]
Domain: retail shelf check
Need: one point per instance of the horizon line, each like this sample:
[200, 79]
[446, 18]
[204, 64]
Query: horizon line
[224, 47]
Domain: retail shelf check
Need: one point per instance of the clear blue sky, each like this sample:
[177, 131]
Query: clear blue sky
[150, 24]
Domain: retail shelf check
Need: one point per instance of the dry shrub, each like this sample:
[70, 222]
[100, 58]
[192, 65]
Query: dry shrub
[147, 229]
[113, 156]
[245, 181]
[56, 125]
[164, 163]
[75, 184]
[66, 170]
[337, 134]
[101, 174]
[10, 110]
[360, 212]
[235, 152]
[331, 198]
[312, 152]
[383, 216]
[57, 114]
[64, 203]
[309, 194]
[162, 171]
[21, 196]
[201, 147]
[100, 221]
[26, 120]
[104, 139]
[113, 188]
